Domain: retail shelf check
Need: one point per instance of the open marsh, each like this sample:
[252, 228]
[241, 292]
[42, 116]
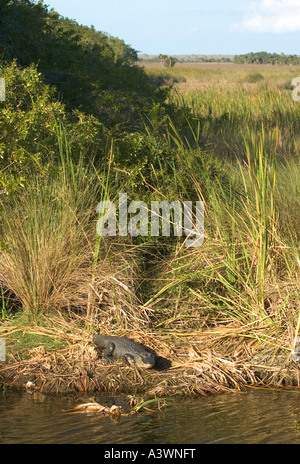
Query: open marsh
[189, 76]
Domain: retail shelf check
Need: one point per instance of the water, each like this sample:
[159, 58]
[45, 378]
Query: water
[254, 417]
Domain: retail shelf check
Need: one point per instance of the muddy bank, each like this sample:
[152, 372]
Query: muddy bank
[80, 369]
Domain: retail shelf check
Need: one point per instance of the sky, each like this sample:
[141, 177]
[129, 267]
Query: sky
[177, 27]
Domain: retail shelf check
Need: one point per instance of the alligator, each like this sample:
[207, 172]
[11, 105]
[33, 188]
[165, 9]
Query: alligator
[125, 349]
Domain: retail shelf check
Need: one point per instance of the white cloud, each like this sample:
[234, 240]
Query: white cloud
[194, 30]
[273, 16]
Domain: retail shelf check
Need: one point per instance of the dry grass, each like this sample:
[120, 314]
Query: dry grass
[51, 258]
[221, 359]
[189, 77]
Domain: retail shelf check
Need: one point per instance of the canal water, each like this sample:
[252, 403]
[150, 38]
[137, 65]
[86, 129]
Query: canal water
[254, 417]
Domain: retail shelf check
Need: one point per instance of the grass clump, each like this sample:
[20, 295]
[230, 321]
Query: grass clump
[48, 231]
[254, 77]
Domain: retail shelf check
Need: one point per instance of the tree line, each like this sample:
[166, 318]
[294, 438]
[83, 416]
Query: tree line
[267, 58]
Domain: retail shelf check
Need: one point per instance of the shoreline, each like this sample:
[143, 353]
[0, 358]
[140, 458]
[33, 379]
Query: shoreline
[79, 369]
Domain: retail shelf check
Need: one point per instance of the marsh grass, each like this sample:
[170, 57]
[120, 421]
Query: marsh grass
[227, 313]
[51, 258]
[3, 303]
[44, 230]
[240, 288]
[225, 116]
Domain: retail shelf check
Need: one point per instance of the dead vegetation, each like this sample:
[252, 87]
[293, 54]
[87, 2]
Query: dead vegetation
[216, 360]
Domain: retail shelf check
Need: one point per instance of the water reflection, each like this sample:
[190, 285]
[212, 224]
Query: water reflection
[254, 417]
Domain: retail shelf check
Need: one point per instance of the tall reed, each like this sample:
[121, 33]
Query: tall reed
[245, 256]
[44, 229]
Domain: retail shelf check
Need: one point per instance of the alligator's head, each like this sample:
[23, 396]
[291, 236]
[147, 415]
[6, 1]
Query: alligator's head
[146, 360]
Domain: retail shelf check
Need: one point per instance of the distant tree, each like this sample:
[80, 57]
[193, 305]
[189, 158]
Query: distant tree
[167, 61]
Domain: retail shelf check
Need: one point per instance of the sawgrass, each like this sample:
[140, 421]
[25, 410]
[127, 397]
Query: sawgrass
[51, 257]
[241, 156]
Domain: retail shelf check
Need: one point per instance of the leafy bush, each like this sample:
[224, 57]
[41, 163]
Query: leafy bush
[28, 120]
[89, 69]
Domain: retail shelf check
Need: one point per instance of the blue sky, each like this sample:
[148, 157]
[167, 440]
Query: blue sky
[192, 26]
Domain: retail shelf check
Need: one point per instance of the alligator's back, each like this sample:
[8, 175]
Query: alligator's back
[123, 347]
[121, 344]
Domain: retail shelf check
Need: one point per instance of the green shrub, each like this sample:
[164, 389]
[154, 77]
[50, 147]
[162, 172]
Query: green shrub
[87, 67]
[254, 77]
[28, 120]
